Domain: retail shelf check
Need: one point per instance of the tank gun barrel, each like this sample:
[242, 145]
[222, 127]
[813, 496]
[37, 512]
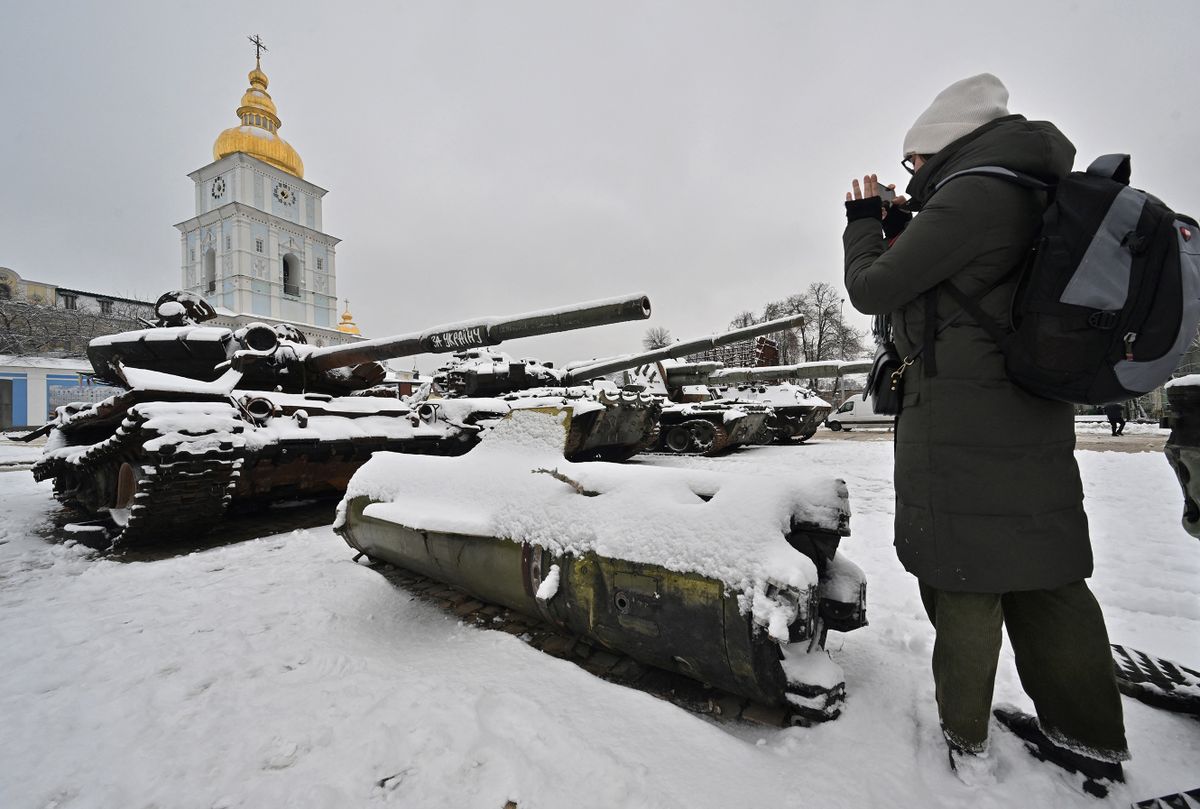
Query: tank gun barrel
[486, 331]
[801, 370]
[676, 350]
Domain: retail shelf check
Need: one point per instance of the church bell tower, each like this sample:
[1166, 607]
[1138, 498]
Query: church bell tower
[255, 249]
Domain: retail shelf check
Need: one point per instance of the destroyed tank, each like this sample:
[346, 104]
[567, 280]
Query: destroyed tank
[608, 421]
[624, 419]
[797, 411]
[729, 579]
[692, 419]
[603, 421]
[212, 417]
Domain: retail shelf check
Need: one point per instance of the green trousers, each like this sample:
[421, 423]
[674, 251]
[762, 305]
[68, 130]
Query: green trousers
[1063, 659]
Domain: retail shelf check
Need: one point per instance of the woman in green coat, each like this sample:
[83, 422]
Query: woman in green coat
[989, 505]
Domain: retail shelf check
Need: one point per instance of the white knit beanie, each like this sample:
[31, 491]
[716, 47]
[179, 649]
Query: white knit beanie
[962, 107]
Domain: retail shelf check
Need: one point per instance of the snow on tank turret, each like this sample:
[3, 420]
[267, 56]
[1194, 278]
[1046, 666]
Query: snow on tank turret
[611, 421]
[603, 421]
[728, 578]
[212, 417]
[692, 420]
[797, 411]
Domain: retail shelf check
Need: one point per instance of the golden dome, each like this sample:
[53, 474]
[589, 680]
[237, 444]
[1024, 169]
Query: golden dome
[258, 134]
[347, 325]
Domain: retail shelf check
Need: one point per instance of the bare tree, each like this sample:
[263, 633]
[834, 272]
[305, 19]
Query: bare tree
[656, 337]
[31, 328]
[825, 334]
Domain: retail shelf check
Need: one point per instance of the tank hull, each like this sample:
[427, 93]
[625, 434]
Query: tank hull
[796, 424]
[687, 624]
[601, 426]
[683, 623]
[709, 428]
[152, 468]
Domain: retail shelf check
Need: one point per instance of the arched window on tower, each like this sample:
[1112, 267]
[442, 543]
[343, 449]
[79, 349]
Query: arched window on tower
[291, 275]
[5, 292]
[210, 270]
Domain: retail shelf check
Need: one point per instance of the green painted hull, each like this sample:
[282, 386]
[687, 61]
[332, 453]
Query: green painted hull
[680, 622]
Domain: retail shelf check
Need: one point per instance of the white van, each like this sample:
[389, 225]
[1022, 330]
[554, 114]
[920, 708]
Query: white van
[857, 412]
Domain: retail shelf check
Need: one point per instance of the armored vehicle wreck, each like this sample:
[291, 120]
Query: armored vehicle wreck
[603, 421]
[692, 421]
[608, 421]
[731, 580]
[797, 412]
[212, 417]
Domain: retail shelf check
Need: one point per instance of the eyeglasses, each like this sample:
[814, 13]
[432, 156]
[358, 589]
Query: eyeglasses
[909, 164]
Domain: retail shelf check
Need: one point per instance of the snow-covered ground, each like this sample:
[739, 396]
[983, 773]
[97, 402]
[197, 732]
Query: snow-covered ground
[16, 453]
[277, 673]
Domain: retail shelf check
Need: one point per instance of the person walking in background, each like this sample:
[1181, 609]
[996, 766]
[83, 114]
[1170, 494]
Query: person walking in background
[990, 521]
[1116, 417]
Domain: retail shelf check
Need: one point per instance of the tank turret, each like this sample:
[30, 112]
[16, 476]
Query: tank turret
[797, 410]
[213, 419]
[607, 423]
[277, 358]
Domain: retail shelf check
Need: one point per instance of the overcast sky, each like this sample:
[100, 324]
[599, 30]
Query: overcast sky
[495, 157]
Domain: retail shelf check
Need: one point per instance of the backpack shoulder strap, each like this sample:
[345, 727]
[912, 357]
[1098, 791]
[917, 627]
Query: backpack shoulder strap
[1026, 180]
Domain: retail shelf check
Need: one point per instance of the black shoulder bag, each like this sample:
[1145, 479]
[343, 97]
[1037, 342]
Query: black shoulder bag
[885, 382]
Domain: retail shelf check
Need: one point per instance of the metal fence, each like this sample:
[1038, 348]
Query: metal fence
[66, 394]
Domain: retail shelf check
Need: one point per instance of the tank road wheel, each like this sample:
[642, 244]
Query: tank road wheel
[767, 434]
[678, 439]
[704, 436]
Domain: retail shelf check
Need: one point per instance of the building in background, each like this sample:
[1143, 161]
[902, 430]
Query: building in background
[30, 387]
[44, 333]
[256, 249]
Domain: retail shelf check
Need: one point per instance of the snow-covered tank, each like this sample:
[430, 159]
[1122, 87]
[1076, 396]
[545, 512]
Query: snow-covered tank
[797, 411]
[692, 419]
[731, 579]
[608, 421]
[603, 421]
[212, 417]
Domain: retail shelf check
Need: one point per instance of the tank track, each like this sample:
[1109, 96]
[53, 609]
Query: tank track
[807, 705]
[182, 490]
[719, 442]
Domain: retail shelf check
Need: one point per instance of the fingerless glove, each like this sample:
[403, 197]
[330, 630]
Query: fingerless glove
[869, 208]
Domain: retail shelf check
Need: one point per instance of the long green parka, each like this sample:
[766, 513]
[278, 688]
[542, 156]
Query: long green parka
[988, 496]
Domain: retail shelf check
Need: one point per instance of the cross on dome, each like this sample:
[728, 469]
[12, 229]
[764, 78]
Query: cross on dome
[258, 133]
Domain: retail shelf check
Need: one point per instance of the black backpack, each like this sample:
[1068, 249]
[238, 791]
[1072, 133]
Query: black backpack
[1110, 298]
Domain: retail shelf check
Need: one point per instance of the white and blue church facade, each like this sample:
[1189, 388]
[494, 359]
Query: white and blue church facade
[256, 248]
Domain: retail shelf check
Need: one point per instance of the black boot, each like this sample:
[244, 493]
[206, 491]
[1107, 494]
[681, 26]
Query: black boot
[1097, 774]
